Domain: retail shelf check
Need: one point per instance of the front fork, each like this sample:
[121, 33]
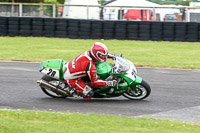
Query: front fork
[138, 80]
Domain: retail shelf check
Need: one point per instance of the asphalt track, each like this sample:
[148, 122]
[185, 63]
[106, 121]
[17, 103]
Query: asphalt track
[175, 94]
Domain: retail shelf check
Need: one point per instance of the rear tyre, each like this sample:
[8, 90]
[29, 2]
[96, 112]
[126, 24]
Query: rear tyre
[143, 89]
[53, 82]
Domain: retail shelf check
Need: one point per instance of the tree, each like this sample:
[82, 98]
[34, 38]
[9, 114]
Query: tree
[174, 2]
[102, 1]
[35, 1]
[61, 1]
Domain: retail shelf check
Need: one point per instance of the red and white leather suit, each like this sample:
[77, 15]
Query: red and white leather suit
[80, 67]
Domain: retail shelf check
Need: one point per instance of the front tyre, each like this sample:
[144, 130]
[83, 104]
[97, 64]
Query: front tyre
[143, 91]
[53, 82]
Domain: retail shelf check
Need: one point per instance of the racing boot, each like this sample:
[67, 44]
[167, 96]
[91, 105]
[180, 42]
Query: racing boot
[73, 92]
[87, 92]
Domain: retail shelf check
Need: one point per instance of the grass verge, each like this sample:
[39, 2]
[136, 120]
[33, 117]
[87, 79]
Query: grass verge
[141, 53]
[18, 121]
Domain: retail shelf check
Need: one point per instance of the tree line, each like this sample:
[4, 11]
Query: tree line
[174, 2]
[43, 1]
[161, 2]
[36, 1]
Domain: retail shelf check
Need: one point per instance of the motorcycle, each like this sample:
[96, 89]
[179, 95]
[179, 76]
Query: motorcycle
[122, 70]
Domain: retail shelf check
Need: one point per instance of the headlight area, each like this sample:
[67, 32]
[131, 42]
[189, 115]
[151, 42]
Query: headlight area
[41, 67]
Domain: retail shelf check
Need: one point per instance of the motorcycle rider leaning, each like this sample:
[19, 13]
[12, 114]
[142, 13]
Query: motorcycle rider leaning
[84, 65]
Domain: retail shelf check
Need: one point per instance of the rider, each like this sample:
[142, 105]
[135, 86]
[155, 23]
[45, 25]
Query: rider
[84, 65]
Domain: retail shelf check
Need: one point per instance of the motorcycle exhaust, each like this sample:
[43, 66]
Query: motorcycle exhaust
[46, 85]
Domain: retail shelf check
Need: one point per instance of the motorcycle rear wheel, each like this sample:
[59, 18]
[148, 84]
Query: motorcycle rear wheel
[143, 89]
[53, 82]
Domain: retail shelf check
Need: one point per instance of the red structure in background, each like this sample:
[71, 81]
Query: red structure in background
[134, 14]
[60, 11]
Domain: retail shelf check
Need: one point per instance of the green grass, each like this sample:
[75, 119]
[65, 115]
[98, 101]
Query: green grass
[141, 53]
[21, 121]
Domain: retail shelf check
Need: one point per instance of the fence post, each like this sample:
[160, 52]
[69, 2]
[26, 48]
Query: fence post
[154, 14]
[147, 14]
[40, 11]
[54, 10]
[87, 12]
[187, 15]
[20, 9]
[120, 13]
[12, 9]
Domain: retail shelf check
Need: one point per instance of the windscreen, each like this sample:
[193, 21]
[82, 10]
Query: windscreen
[122, 65]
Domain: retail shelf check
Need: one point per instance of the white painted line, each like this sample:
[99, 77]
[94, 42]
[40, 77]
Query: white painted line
[20, 69]
[19, 62]
[158, 68]
[136, 66]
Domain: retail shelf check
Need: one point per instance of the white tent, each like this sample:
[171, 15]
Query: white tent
[136, 3]
[113, 12]
[81, 12]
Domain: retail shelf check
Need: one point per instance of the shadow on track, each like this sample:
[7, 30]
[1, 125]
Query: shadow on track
[119, 100]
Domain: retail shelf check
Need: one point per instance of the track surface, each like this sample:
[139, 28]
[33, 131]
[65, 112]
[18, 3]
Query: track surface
[175, 94]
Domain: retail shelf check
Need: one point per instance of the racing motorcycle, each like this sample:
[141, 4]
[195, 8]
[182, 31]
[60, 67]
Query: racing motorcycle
[122, 70]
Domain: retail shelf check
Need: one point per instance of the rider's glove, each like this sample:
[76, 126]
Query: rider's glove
[114, 56]
[111, 83]
[119, 55]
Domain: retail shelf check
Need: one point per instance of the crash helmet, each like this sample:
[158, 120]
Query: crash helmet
[99, 51]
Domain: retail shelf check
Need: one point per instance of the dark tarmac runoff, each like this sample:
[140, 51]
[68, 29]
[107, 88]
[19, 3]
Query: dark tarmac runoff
[175, 94]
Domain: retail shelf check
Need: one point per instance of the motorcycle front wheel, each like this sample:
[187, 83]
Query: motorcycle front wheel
[143, 91]
[53, 82]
